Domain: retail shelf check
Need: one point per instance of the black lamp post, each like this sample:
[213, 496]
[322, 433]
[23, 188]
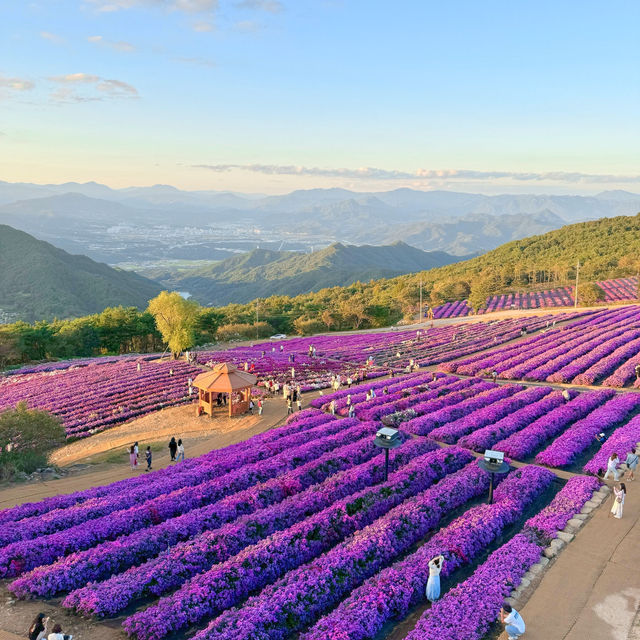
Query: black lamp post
[493, 462]
[387, 438]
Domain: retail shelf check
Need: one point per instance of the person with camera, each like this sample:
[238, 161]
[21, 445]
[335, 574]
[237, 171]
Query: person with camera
[56, 634]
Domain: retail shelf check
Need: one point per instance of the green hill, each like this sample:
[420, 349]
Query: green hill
[262, 273]
[40, 282]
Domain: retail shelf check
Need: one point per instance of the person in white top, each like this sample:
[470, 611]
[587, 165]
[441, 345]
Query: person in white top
[619, 493]
[612, 467]
[433, 583]
[180, 455]
[512, 620]
[57, 634]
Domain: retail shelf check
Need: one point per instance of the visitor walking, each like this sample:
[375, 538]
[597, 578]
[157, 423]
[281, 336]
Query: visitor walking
[632, 462]
[352, 410]
[136, 450]
[148, 457]
[299, 403]
[289, 407]
[180, 450]
[512, 621]
[612, 467]
[173, 447]
[38, 628]
[251, 407]
[433, 583]
[619, 493]
[139, 367]
[133, 458]
[332, 407]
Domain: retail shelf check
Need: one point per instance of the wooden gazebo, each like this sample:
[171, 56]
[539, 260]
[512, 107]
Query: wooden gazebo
[224, 378]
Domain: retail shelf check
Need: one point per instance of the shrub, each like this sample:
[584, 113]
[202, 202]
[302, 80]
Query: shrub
[26, 438]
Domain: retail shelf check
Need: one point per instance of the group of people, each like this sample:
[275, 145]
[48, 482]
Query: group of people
[134, 453]
[39, 630]
[176, 449]
[620, 488]
[509, 617]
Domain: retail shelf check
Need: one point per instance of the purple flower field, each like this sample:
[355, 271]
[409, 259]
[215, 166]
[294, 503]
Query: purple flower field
[295, 531]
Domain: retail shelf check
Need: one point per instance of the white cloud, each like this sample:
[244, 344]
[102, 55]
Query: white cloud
[121, 45]
[187, 6]
[86, 87]
[270, 6]
[16, 84]
[248, 26]
[52, 37]
[203, 27]
[452, 175]
[200, 62]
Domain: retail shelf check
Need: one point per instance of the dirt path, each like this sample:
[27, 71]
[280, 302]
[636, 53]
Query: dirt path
[592, 591]
[200, 435]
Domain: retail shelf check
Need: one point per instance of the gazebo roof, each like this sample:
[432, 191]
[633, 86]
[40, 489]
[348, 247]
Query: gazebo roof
[225, 377]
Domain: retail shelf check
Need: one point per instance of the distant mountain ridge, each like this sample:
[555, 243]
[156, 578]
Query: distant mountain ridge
[458, 223]
[40, 282]
[262, 273]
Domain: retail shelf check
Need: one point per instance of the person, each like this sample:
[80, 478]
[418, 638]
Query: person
[637, 370]
[38, 628]
[289, 407]
[139, 367]
[434, 377]
[281, 348]
[494, 376]
[348, 400]
[332, 407]
[619, 493]
[299, 403]
[148, 457]
[251, 407]
[601, 437]
[433, 583]
[260, 406]
[56, 634]
[566, 395]
[180, 451]
[173, 447]
[190, 385]
[136, 450]
[349, 382]
[632, 462]
[133, 458]
[352, 410]
[512, 620]
[612, 467]
[171, 371]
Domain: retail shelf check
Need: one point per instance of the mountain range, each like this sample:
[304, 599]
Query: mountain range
[262, 273]
[40, 282]
[159, 222]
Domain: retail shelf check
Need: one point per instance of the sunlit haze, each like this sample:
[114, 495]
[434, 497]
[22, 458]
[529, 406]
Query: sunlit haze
[269, 96]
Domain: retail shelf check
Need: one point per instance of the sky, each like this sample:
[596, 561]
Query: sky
[269, 96]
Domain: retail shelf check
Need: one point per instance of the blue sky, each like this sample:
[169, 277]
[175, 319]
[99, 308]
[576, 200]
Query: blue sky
[275, 95]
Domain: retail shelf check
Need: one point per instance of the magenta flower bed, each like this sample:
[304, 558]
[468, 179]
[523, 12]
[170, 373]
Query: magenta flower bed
[621, 441]
[524, 443]
[255, 567]
[553, 518]
[469, 609]
[362, 615]
[580, 435]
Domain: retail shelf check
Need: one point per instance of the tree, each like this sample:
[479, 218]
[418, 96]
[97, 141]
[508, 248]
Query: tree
[481, 289]
[589, 294]
[176, 320]
[307, 326]
[26, 438]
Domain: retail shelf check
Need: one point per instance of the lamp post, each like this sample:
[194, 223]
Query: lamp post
[387, 438]
[493, 462]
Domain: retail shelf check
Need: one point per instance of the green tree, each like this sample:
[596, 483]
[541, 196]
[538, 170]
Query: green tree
[26, 438]
[589, 294]
[176, 320]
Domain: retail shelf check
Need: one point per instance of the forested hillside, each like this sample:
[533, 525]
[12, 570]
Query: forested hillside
[262, 273]
[40, 282]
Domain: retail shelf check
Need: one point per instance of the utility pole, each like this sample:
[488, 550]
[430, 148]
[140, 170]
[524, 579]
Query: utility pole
[575, 297]
[256, 319]
[420, 312]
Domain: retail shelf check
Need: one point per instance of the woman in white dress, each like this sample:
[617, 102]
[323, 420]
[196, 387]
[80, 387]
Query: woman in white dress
[619, 492]
[433, 584]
